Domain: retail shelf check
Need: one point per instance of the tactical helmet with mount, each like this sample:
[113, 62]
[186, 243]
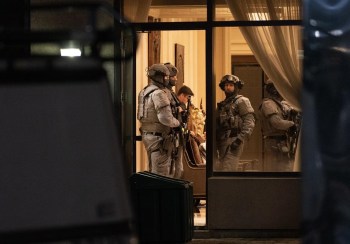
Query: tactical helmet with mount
[231, 79]
[173, 72]
[157, 73]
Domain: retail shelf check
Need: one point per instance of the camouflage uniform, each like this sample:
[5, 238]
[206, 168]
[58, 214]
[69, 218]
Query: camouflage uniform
[235, 124]
[273, 115]
[235, 120]
[179, 138]
[157, 121]
[178, 150]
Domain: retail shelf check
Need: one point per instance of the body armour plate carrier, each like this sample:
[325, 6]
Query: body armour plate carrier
[228, 114]
[268, 108]
[147, 110]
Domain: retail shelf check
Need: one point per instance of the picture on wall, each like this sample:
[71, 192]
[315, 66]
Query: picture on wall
[153, 44]
[179, 63]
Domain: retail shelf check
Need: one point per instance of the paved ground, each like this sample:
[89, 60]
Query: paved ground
[246, 241]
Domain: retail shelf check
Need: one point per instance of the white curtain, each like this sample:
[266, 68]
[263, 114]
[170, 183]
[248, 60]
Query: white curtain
[137, 10]
[277, 48]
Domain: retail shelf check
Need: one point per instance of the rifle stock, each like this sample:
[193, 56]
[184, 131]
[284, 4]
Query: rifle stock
[293, 139]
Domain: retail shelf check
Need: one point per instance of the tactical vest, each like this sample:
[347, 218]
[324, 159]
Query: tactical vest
[147, 113]
[174, 103]
[272, 107]
[228, 115]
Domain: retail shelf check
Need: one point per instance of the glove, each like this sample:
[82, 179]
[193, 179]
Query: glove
[235, 144]
[292, 130]
[179, 128]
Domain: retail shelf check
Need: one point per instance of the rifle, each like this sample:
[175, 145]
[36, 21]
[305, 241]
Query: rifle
[184, 117]
[201, 107]
[174, 152]
[180, 135]
[204, 114]
[293, 138]
[177, 135]
[186, 113]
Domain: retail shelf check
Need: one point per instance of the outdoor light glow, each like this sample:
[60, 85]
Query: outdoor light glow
[70, 52]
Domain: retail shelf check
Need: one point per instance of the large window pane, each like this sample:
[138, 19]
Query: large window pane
[257, 10]
[166, 11]
[273, 150]
[222, 12]
[185, 50]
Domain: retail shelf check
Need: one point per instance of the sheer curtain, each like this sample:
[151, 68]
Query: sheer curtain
[275, 47]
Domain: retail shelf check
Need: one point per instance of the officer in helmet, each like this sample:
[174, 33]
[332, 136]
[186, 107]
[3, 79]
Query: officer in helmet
[157, 121]
[172, 75]
[172, 82]
[235, 123]
[275, 115]
[177, 155]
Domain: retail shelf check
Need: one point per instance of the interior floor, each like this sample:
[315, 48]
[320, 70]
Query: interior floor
[200, 214]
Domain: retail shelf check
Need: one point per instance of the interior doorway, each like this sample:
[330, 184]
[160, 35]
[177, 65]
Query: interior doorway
[248, 70]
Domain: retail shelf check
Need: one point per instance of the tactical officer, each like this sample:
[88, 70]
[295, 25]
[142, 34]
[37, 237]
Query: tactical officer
[158, 122]
[235, 123]
[177, 110]
[274, 114]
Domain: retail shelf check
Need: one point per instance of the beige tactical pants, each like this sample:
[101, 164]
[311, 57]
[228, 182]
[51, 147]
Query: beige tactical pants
[274, 159]
[228, 159]
[159, 160]
[179, 167]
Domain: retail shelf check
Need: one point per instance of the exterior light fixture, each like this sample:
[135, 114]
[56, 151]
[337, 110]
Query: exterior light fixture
[70, 52]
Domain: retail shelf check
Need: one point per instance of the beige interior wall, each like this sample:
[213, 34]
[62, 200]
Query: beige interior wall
[221, 59]
[200, 93]
[238, 45]
[141, 81]
[194, 64]
[194, 70]
[228, 41]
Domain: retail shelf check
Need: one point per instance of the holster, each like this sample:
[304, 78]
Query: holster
[170, 143]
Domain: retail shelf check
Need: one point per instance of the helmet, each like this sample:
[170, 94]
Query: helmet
[172, 69]
[173, 72]
[157, 72]
[231, 79]
[270, 88]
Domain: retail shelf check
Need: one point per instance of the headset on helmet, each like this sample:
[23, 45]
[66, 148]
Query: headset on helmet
[231, 79]
[157, 72]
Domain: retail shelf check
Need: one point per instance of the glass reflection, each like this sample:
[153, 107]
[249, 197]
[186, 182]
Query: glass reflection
[280, 124]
